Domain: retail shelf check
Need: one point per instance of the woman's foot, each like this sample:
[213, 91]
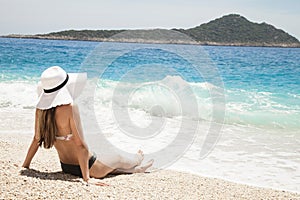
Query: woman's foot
[142, 169]
[137, 169]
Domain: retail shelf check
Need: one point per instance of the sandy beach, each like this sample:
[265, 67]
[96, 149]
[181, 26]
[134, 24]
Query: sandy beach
[46, 181]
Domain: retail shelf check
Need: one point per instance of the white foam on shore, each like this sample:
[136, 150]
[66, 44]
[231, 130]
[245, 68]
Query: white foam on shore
[254, 156]
[251, 156]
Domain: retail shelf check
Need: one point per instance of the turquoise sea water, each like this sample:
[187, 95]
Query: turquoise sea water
[240, 104]
[262, 85]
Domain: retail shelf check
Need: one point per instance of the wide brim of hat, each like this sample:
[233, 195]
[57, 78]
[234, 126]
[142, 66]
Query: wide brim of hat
[65, 95]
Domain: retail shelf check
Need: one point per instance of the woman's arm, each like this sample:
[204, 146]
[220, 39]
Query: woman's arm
[34, 145]
[31, 152]
[82, 150]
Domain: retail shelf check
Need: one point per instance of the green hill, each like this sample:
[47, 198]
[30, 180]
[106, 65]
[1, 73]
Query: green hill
[237, 30]
[232, 30]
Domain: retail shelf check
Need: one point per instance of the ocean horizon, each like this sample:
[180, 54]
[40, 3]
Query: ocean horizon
[219, 111]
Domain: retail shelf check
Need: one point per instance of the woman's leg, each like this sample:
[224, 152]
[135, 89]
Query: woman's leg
[137, 169]
[121, 160]
[99, 170]
[117, 163]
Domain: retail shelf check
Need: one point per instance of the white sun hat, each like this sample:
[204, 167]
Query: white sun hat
[56, 87]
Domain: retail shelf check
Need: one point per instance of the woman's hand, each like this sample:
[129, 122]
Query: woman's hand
[25, 166]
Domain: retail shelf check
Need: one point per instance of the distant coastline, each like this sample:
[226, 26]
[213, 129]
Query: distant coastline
[283, 45]
[229, 30]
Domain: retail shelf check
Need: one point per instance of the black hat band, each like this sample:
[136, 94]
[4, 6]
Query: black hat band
[57, 87]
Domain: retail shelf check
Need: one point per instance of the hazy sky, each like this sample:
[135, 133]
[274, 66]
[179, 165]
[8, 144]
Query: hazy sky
[42, 16]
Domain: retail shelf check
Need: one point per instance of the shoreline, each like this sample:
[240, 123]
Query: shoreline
[43, 181]
[139, 41]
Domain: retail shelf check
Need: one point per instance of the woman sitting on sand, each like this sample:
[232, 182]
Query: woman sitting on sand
[57, 123]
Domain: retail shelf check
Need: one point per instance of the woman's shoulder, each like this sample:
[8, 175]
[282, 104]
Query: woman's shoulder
[69, 108]
[64, 109]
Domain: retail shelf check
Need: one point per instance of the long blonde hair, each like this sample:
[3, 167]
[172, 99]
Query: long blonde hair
[47, 128]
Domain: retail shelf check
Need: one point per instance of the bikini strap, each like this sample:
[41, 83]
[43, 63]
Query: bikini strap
[64, 138]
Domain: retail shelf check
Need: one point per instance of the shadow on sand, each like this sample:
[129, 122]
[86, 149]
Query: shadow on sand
[57, 175]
